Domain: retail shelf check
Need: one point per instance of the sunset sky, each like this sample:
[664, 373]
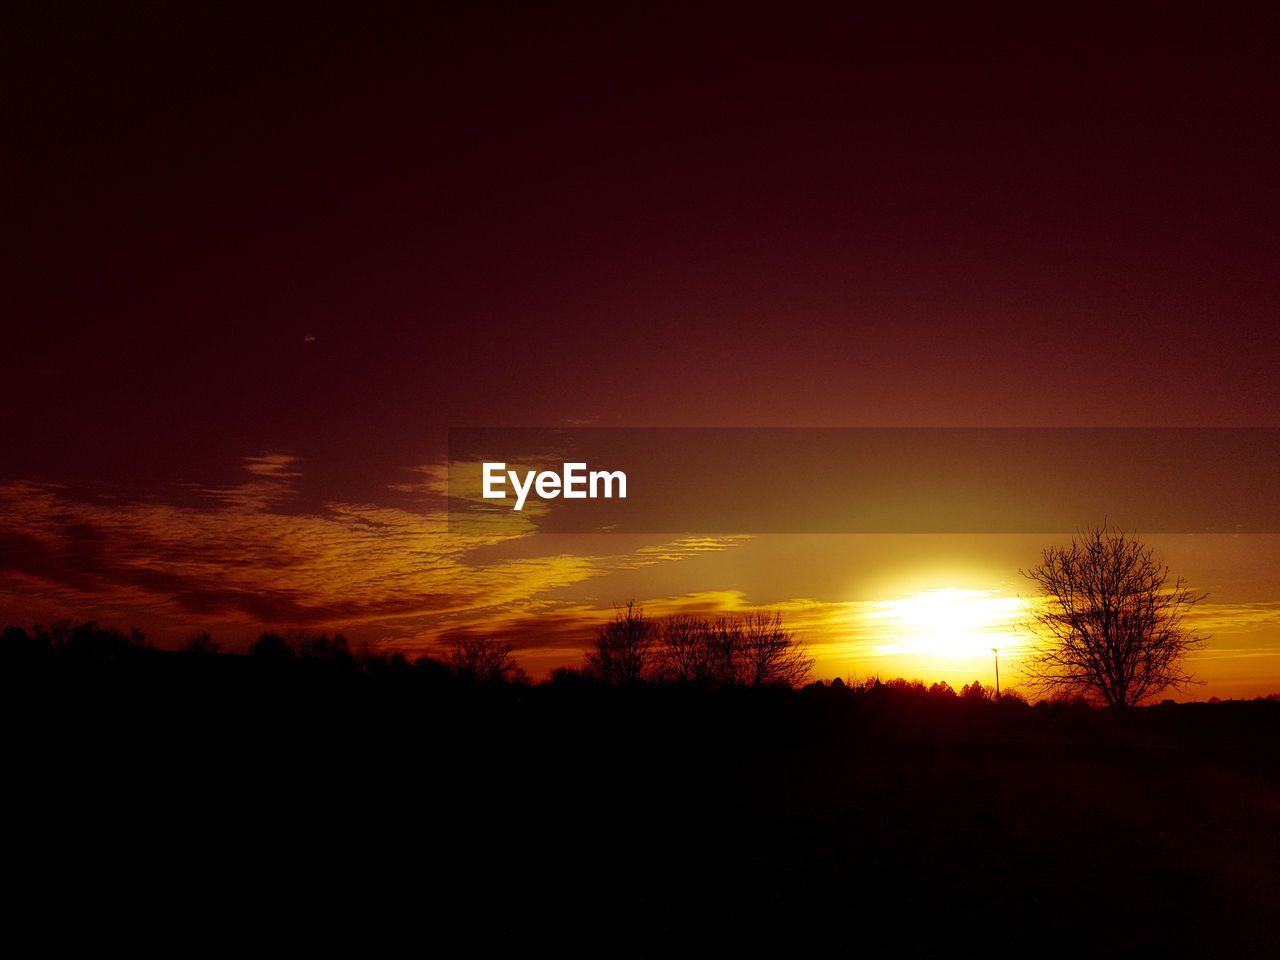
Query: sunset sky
[258, 262]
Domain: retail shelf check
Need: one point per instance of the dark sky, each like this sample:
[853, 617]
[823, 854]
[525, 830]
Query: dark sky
[493, 216]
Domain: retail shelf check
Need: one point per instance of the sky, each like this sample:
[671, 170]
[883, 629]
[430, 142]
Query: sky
[259, 261]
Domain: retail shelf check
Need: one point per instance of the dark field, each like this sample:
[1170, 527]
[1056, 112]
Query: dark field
[180, 803]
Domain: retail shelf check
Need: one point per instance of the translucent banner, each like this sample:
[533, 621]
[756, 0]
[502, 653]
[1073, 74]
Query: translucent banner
[863, 480]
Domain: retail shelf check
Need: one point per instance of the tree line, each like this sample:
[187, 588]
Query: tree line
[750, 649]
[1112, 628]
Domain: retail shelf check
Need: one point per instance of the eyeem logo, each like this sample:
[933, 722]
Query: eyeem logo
[573, 482]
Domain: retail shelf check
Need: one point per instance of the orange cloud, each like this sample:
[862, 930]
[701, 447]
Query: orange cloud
[248, 555]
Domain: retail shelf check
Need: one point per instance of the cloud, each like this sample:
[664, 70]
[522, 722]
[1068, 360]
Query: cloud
[273, 477]
[272, 465]
[239, 557]
[1216, 618]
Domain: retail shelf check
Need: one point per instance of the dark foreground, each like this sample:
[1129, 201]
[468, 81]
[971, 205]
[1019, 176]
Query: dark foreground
[182, 804]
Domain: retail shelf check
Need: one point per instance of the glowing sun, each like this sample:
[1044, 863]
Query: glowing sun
[948, 622]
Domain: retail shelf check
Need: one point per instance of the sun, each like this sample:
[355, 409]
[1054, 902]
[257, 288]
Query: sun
[948, 622]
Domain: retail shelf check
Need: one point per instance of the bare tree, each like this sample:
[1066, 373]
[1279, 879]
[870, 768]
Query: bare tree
[622, 653]
[483, 659]
[318, 646]
[724, 641]
[683, 655]
[748, 649]
[1111, 629]
[769, 654]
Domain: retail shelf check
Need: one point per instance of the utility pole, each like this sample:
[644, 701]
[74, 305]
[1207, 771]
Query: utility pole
[997, 653]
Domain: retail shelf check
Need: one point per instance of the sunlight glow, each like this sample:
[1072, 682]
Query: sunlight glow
[948, 622]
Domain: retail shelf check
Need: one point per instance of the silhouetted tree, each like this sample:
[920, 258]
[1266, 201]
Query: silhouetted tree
[901, 685]
[381, 663]
[748, 649]
[270, 646]
[90, 641]
[682, 649]
[973, 691]
[622, 653]
[201, 643]
[771, 655]
[482, 660]
[1111, 626]
[318, 646]
[727, 659]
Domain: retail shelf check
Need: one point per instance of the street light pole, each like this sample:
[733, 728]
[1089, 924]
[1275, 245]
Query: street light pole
[997, 653]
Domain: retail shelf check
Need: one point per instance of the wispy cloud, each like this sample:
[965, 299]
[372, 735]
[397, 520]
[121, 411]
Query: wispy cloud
[240, 557]
[272, 477]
